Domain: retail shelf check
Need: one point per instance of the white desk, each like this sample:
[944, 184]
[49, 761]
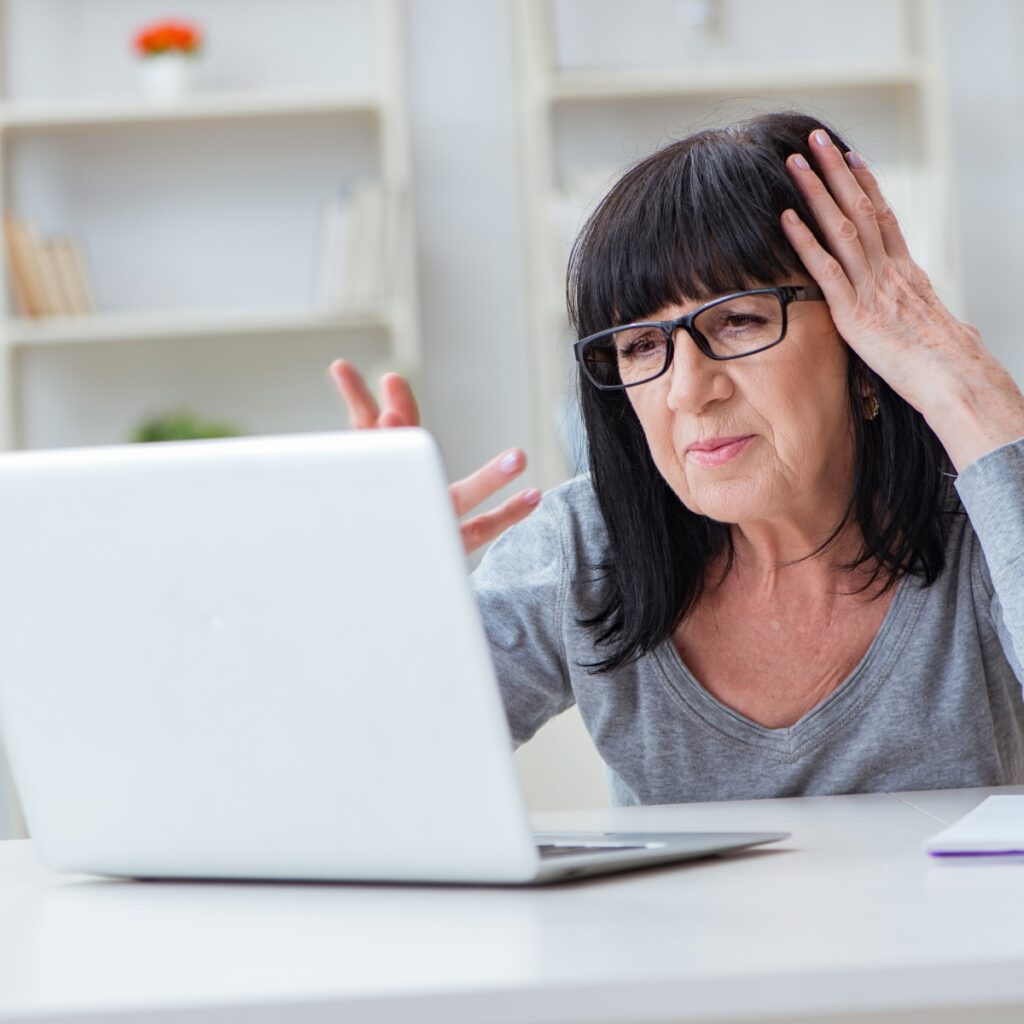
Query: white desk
[848, 917]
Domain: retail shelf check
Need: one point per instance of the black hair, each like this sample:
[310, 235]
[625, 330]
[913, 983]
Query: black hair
[702, 217]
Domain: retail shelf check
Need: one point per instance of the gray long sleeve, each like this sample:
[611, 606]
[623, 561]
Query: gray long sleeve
[935, 702]
[992, 490]
[521, 588]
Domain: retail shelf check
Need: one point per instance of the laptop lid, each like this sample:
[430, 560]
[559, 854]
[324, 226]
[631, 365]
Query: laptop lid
[252, 658]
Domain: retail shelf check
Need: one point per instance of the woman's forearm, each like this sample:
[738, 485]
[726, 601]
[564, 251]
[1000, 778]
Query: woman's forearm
[979, 411]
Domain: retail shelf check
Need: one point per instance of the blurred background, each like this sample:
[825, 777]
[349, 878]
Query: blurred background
[205, 202]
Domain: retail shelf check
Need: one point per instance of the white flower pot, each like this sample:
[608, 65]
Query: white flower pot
[168, 76]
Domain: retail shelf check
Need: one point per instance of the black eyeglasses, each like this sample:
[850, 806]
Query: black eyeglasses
[731, 327]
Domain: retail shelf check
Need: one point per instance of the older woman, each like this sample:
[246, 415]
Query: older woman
[797, 563]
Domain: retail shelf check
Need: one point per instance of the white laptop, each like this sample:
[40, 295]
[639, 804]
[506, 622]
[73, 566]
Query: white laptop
[261, 658]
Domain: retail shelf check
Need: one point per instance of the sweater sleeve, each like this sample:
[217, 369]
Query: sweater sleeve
[992, 490]
[521, 586]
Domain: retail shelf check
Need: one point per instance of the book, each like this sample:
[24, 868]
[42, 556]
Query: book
[335, 222]
[995, 828]
[82, 282]
[365, 250]
[48, 276]
[20, 287]
[355, 238]
[70, 269]
[570, 207]
[25, 271]
[55, 300]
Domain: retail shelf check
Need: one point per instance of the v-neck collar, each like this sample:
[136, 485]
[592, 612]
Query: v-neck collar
[815, 725]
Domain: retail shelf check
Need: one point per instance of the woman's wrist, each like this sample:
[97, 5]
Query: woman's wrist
[980, 411]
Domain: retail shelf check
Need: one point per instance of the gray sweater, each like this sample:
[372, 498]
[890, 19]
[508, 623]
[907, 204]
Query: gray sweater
[935, 702]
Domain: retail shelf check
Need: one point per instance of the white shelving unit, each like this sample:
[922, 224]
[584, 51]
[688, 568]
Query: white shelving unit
[29, 116]
[569, 86]
[63, 144]
[199, 218]
[597, 94]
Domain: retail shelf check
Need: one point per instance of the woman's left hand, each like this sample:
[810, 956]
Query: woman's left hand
[885, 308]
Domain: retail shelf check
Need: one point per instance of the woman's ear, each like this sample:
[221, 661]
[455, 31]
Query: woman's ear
[863, 379]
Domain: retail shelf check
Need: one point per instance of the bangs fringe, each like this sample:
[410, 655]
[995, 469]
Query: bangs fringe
[696, 219]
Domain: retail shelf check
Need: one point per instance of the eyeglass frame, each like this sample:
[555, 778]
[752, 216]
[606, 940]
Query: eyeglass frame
[786, 294]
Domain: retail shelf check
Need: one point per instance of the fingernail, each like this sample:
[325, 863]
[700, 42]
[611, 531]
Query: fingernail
[821, 137]
[531, 497]
[801, 162]
[854, 159]
[509, 463]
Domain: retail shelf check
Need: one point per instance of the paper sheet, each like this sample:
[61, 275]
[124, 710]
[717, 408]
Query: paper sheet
[994, 828]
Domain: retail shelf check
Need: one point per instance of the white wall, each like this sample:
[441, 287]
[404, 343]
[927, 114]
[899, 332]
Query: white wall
[9, 814]
[985, 62]
[472, 314]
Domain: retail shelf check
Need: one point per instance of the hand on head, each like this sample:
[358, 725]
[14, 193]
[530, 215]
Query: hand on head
[885, 308]
[882, 302]
[398, 408]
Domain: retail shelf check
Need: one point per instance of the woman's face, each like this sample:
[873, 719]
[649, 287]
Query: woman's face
[764, 437]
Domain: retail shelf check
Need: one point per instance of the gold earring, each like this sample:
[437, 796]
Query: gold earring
[870, 406]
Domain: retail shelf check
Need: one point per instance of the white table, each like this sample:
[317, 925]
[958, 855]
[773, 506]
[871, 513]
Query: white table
[847, 917]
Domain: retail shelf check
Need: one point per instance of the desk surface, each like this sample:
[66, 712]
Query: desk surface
[847, 916]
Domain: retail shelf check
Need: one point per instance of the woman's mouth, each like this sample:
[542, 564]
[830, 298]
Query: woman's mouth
[717, 451]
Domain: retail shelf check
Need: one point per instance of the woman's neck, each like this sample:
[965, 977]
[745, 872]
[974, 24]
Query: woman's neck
[800, 551]
[808, 543]
[809, 560]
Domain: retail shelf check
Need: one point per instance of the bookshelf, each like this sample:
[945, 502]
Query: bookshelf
[28, 116]
[154, 326]
[599, 89]
[200, 219]
[622, 84]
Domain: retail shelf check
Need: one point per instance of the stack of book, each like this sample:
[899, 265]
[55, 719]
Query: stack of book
[48, 275]
[571, 204]
[355, 243]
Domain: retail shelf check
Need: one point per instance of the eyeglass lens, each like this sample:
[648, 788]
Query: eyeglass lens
[734, 327]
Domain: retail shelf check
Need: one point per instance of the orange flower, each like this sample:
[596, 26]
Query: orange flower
[167, 37]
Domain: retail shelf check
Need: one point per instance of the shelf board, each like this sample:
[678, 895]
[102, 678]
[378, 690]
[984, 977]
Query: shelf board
[38, 115]
[100, 328]
[583, 86]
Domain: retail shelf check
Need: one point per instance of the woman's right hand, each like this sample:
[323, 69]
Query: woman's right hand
[398, 409]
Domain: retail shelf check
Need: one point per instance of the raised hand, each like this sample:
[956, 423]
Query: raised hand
[885, 308]
[398, 409]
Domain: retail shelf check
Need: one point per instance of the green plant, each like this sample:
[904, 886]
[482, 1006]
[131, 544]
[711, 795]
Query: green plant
[181, 425]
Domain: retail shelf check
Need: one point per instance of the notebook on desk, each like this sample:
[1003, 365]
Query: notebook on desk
[995, 828]
[261, 658]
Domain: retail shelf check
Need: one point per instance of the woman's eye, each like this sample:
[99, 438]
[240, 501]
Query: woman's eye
[645, 345]
[738, 321]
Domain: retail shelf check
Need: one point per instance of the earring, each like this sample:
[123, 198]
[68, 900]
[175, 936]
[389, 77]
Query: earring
[870, 406]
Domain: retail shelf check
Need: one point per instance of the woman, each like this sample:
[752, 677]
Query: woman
[768, 585]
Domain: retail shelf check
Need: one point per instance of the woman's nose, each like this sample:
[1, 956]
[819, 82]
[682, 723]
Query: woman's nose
[695, 380]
